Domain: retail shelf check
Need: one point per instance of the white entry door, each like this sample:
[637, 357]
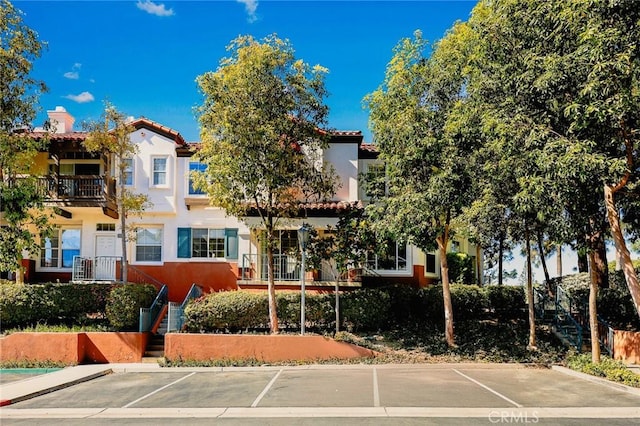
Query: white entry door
[105, 262]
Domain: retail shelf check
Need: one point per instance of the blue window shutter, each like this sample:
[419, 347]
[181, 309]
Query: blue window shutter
[231, 235]
[184, 242]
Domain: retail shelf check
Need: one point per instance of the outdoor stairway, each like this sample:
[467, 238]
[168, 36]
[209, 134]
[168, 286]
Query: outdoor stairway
[155, 348]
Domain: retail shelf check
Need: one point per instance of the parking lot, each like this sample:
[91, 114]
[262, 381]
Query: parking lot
[357, 394]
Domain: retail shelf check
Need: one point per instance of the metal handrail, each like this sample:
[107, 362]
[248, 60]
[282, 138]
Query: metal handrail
[175, 318]
[565, 321]
[149, 315]
[147, 279]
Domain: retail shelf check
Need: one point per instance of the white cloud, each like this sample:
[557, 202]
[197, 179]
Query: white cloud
[73, 74]
[82, 98]
[153, 8]
[250, 6]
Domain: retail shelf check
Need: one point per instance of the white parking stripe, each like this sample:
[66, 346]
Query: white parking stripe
[266, 389]
[376, 391]
[158, 390]
[489, 389]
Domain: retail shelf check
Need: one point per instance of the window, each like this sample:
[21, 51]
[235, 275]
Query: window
[431, 263]
[195, 166]
[455, 246]
[207, 243]
[393, 258]
[128, 171]
[149, 245]
[105, 227]
[375, 184]
[159, 171]
[59, 249]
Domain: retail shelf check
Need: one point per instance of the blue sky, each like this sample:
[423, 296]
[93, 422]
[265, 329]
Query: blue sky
[144, 56]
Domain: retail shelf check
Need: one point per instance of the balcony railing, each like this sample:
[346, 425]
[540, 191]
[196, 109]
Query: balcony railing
[77, 187]
[286, 269]
[95, 269]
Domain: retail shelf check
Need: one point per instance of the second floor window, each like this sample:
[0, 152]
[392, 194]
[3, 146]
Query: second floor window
[393, 258]
[159, 171]
[195, 166]
[128, 171]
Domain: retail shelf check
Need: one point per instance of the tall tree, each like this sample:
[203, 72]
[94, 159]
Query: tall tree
[565, 75]
[111, 137]
[261, 141]
[425, 150]
[20, 199]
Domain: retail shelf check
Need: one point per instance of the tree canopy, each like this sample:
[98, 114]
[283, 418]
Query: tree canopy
[19, 193]
[263, 129]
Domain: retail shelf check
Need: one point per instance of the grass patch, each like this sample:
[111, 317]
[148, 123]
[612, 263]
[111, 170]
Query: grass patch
[90, 326]
[607, 368]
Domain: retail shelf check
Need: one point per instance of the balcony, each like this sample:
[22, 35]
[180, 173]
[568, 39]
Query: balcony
[79, 191]
[287, 269]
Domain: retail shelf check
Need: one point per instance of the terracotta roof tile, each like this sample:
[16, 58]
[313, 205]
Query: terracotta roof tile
[69, 136]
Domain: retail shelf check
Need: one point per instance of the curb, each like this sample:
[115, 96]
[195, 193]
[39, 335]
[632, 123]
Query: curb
[594, 379]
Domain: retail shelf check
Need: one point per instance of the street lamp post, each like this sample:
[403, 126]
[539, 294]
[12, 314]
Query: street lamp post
[303, 237]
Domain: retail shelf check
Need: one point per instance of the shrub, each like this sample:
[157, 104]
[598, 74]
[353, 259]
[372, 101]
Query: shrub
[227, 310]
[607, 368]
[469, 301]
[29, 304]
[124, 303]
[507, 302]
[365, 309]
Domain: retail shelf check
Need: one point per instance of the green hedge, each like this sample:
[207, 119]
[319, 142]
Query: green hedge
[360, 310]
[30, 304]
[124, 303]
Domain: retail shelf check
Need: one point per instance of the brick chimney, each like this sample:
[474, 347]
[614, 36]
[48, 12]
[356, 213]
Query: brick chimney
[61, 120]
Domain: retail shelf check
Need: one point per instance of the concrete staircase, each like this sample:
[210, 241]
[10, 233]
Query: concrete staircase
[155, 346]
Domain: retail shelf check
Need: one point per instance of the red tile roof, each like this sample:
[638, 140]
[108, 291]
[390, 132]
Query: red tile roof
[70, 136]
[168, 132]
[369, 147]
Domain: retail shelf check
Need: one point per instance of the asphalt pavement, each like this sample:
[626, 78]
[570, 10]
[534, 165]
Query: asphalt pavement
[318, 394]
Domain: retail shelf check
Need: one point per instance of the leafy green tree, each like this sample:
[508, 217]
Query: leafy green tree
[261, 142]
[20, 199]
[563, 78]
[424, 148]
[111, 137]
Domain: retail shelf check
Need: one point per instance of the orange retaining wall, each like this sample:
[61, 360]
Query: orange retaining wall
[266, 348]
[626, 346]
[73, 348]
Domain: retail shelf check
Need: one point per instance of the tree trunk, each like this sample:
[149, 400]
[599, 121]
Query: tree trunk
[600, 261]
[559, 260]
[446, 290]
[273, 314]
[532, 312]
[500, 256]
[543, 259]
[583, 261]
[593, 310]
[338, 303]
[20, 275]
[479, 265]
[627, 266]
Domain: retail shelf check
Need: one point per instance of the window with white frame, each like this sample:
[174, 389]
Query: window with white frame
[194, 167]
[159, 171]
[128, 171]
[149, 244]
[59, 249]
[392, 258]
[208, 243]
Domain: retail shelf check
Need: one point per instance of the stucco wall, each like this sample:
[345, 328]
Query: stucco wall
[259, 347]
[73, 348]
